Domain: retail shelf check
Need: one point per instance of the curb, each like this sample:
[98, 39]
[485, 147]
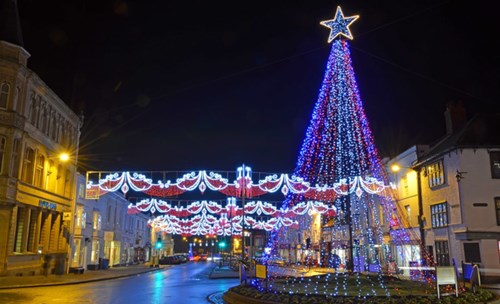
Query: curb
[81, 281]
[231, 297]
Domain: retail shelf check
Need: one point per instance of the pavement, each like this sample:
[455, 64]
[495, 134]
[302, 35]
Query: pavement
[71, 278]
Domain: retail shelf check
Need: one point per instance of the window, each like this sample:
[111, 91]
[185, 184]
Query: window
[442, 253]
[79, 211]
[67, 183]
[3, 141]
[54, 129]
[40, 165]
[435, 174]
[97, 220]
[84, 219]
[28, 165]
[33, 112]
[16, 152]
[81, 191]
[439, 215]
[497, 206]
[4, 95]
[495, 164]
[472, 253]
[408, 214]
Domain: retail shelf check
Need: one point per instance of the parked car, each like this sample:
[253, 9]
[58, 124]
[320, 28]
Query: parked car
[203, 257]
[170, 260]
[182, 258]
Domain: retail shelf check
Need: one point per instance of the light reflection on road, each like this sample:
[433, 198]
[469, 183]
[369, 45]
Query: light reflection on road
[185, 283]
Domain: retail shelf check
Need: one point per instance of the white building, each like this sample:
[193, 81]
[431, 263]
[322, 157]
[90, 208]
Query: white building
[453, 192]
[104, 231]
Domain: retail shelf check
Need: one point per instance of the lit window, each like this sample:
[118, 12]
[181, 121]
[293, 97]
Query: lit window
[439, 215]
[408, 214]
[435, 174]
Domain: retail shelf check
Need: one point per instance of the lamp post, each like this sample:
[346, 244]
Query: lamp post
[64, 157]
[243, 194]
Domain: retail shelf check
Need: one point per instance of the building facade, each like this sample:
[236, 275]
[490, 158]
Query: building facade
[450, 191]
[104, 230]
[405, 183]
[460, 182]
[36, 186]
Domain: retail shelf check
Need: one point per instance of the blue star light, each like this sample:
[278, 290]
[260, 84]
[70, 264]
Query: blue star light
[339, 25]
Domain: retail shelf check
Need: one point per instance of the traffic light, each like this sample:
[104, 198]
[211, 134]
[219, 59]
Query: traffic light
[222, 244]
[159, 244]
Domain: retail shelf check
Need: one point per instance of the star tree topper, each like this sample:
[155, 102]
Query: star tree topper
[339, 25]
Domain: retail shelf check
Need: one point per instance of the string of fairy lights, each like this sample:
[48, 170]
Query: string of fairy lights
[339, 218]
[339, 146]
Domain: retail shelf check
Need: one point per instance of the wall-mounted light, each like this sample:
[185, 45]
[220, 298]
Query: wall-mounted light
[459, 176]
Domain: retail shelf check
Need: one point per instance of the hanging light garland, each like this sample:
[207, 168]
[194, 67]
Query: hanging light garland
[202, 181]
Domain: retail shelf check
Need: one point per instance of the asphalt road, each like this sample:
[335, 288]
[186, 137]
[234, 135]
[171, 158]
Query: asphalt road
[186, 284]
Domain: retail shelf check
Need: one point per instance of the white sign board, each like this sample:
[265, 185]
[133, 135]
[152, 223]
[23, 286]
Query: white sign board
[446, 275]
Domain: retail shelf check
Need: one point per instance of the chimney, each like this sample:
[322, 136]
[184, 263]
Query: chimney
[455, 117]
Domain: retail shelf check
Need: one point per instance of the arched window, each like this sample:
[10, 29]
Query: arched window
[4, 95]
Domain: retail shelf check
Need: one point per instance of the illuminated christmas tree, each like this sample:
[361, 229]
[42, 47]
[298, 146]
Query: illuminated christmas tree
[338, 155]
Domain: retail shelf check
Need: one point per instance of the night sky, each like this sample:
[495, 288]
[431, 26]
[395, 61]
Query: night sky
[190, 85]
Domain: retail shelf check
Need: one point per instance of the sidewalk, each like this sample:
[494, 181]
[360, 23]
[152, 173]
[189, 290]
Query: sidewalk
[87, 276]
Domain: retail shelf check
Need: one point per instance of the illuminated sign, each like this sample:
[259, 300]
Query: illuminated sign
[48, 205]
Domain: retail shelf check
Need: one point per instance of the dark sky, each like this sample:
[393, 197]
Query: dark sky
[189, 85]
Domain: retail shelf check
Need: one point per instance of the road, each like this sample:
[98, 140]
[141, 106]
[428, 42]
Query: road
[186, 283]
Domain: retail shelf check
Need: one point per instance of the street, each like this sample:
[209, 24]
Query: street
[188, 283]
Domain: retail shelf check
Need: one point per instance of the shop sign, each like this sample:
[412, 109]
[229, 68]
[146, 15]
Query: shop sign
[48, 205]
